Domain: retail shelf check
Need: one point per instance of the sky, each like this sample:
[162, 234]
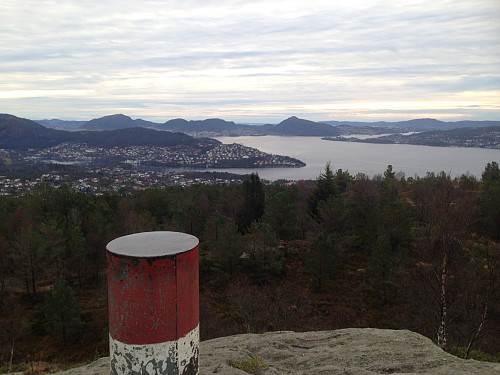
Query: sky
[251, 61]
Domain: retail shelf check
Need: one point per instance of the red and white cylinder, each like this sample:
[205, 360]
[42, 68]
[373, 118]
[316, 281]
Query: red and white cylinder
[153, 298]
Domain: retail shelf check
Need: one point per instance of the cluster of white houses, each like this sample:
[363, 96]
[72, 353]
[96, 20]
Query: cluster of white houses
[200, 156]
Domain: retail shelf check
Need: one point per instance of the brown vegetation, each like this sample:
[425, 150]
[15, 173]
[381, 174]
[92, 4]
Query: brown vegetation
[421, 254]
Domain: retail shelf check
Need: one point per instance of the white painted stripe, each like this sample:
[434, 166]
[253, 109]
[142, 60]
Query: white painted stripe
[178, 357]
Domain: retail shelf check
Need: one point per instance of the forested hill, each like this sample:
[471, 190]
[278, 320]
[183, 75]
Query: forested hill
[19, 133]
[138, 137]
[418, 254]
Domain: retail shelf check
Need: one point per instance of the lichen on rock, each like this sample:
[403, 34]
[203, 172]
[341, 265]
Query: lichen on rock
[355, 351]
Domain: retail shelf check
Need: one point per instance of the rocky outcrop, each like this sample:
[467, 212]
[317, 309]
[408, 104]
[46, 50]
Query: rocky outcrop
[347, 351]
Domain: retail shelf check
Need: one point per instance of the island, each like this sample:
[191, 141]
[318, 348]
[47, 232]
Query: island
[484, 137]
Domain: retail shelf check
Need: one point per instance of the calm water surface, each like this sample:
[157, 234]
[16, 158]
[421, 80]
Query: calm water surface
[371, 159]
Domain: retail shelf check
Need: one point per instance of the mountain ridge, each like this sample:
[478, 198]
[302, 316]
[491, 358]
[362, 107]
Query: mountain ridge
[115, 122]
[17, 132]
[292, 126]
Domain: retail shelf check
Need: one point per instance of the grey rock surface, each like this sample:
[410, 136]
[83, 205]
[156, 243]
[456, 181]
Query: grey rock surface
[347, 351]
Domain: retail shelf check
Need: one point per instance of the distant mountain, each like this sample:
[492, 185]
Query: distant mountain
[368, 130]
[208, 125]
[292, 126]
[417, 124]
[300, 127]
[215, 126]
[472, 124]
[114, 122]
[19, 133]
[61, 124]
[176, 123]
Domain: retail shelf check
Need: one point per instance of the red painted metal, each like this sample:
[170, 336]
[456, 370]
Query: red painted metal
[153, 300]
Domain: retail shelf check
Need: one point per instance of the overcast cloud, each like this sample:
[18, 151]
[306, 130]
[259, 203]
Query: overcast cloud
[254, 61]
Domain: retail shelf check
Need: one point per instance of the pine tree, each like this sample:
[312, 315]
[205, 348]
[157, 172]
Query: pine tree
[61, 310]
[325, 188]
[281, 214]
[254, 202]
[322, 260]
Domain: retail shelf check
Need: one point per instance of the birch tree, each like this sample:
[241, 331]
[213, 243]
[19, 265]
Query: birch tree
[446, 227]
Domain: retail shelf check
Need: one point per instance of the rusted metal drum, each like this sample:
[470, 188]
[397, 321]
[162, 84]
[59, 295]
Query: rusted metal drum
[153, 298]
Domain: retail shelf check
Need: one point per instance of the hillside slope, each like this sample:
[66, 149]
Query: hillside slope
[16, 133]
[19, 133]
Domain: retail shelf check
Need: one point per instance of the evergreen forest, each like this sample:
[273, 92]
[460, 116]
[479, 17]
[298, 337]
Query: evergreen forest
[342, 251]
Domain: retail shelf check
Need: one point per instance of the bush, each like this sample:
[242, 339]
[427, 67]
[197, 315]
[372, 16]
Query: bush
[478, 355]
[251, 365]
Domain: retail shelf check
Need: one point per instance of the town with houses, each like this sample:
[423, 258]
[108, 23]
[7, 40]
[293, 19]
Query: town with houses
[113, 180]
[221, 156]
[127, 169]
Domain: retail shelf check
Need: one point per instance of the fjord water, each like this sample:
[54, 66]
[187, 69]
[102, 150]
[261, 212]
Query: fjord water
[370, 159]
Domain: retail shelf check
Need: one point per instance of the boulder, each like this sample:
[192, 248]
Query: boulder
[363, 351]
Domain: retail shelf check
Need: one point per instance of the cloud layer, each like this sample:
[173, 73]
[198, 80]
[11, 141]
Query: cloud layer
[258, 61]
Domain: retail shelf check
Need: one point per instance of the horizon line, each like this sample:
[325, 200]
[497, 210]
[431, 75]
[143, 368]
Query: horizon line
[256, 122]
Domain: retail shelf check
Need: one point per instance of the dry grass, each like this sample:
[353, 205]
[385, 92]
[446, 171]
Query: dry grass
[251, 365]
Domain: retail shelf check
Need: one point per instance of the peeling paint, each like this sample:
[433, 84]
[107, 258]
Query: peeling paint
[178, 357]
[157, 301]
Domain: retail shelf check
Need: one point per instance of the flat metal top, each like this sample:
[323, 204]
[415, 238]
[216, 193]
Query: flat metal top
[152, 244]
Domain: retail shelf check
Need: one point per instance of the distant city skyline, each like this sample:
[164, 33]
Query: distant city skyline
[251, 62]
